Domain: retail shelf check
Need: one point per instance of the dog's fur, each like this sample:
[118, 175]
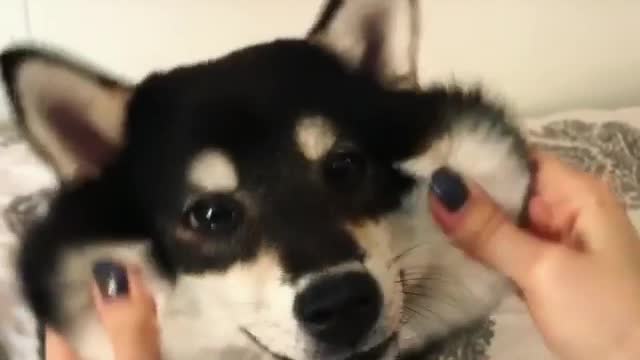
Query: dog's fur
[317, 160]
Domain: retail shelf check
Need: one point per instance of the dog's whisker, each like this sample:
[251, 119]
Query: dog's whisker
[429, 313]
[404, 253]
[420, 279]
[413, 293]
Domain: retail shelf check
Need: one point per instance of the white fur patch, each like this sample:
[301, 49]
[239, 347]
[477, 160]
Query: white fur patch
[481, 153]
[38, 86]
[213, 308]
[314, 137]
[213, 171]
[306, 280]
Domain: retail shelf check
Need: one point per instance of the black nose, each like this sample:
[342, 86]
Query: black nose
[339, 310]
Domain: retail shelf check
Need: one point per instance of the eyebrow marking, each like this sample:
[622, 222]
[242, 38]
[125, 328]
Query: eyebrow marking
[314, 137]
[212, 171]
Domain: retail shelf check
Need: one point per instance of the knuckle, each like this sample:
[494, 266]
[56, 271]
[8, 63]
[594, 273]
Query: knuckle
[602, 187]
[597, 192]
[493, 225]
[545, 269]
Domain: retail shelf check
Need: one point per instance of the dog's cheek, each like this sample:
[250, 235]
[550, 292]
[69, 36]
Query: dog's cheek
[491, 154]
[247, 297]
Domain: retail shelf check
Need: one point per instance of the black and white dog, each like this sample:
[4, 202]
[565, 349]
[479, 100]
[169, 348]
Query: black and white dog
[275, 198]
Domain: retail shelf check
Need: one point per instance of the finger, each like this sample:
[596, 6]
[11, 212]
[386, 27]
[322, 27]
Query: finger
[553, 176]
[541, 218]
[96, 294]
[552, 221]
[112, 279]
[557, 181]
[551, 163]
[605, 228]
[111, 288]
[139, 292]
[592, 217]
[109, 309]
[586, 211]
[56, 348]
[478, 226]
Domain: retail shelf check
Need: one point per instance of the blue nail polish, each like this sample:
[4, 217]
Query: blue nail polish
[111, 279]
[449, 188]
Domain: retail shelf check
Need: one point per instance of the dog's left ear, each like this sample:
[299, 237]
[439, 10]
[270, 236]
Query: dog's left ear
[379, 37]
[72, 115]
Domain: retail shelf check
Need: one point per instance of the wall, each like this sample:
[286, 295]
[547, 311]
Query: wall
[540, 55]
[13, 26]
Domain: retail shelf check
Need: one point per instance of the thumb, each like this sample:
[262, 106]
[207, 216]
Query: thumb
[111, 291]
[477, 225]
[56, 347]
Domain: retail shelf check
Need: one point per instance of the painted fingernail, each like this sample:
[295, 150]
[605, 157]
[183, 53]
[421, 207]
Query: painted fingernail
[449, 188]
[111, 279]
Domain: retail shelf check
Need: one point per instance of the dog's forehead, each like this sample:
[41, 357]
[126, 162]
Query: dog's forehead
[262, 118]
[292, 69]
[267, 86]
[289, 94]
[282, 157]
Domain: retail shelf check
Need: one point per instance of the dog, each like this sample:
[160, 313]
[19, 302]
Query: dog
[275, 198]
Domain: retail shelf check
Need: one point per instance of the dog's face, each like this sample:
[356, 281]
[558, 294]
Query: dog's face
[275, 192]
[269, 196]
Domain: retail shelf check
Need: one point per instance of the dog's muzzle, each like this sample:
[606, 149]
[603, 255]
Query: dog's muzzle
[339, 311]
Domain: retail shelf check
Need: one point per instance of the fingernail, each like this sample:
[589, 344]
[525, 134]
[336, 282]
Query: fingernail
[449, 188]
[111, 279]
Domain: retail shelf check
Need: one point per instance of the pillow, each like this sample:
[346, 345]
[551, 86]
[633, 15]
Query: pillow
[20, 173]
[602, 142]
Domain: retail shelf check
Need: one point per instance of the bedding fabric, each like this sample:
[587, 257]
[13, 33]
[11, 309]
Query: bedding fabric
[605, 143]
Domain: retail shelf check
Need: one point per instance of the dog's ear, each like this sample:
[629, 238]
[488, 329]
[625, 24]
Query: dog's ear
[380, 37]
[72, 114]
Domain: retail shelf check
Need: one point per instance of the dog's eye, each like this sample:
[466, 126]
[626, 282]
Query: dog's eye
[345, 169]
[214, 215]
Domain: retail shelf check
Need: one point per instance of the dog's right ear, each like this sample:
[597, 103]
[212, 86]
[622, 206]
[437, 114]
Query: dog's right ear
[378, 37]
[72, 115]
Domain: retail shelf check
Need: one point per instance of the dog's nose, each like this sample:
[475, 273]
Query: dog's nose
[339, 310]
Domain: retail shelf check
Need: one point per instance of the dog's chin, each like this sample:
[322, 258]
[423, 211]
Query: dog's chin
[385, 350]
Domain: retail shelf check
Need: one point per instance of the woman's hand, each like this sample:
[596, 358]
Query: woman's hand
[578, 266]
[56, 348]
[127, 311]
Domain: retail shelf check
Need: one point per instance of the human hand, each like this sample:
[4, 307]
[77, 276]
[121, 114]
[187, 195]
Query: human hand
[56, 348]
[127, 312]
[577, 266]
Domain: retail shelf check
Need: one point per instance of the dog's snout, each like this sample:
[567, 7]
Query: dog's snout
[339, 310]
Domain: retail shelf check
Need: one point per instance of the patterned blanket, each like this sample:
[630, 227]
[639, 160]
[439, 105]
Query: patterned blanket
[605, 143]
